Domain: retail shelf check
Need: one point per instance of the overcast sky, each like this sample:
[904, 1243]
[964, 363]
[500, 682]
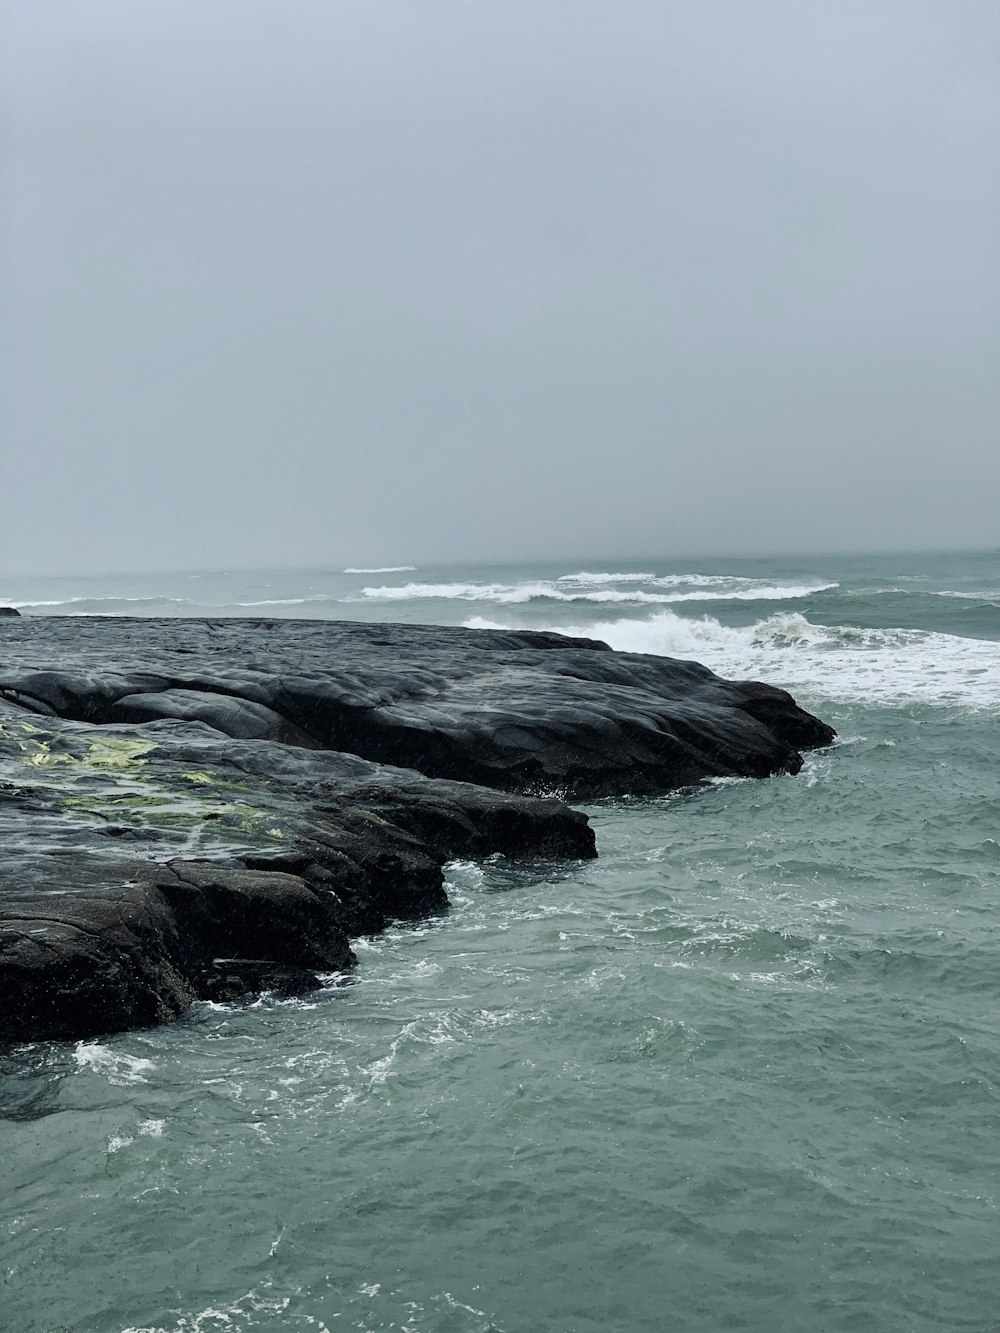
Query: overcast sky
[378, 281]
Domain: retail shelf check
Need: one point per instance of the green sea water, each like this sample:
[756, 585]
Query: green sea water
[741, 1072]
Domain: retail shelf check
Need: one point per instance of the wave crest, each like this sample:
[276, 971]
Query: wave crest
[544, 589]
[381, 569]
[841, 662]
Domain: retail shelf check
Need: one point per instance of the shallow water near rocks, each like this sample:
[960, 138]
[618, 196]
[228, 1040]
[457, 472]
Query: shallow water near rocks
[740, 1072]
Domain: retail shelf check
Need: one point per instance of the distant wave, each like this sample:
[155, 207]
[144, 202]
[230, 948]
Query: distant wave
[693, 580]
[589, 579]
[514, 593]
[991, 595]
[382, 569]
[879, 666]
[287, 601]
[98, 602]
[56, 601]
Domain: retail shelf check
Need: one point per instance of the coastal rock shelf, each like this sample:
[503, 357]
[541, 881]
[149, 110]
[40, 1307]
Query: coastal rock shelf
[194, 808]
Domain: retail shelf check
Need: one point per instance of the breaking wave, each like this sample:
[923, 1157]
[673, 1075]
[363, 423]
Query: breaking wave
[876, 666]
[990, 595]
[593, 588]
[381, 569]
[117, 1066]
[101, 606]
[288, 601]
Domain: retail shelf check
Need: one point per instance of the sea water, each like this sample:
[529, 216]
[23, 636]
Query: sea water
[741, 1072]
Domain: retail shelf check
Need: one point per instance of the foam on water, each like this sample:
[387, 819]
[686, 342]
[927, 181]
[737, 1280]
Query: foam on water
[985, 595]
[884, 666]
[723, 583]
[256, 1309]
[55, 601]
[116, 1066]
[96, 605]
[286, 601]
[589, 579]
[514, 593]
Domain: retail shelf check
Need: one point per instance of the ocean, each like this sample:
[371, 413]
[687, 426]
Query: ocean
[741, 1072]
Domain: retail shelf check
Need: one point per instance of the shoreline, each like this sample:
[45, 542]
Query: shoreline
[197, 808]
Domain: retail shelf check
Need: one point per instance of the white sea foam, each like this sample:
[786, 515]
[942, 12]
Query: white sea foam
[759, 592]
[710, 580]
[591, 580]
[470, 592]
[256, 1309]
[381, 569]
[882, 666]
[286, 601]
[115, 1066]
[720, 584]
[96, 601]
[984, 595]
[57, 601]
[515, 593]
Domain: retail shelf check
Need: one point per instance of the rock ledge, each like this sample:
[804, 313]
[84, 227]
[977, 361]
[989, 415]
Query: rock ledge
[205, 809]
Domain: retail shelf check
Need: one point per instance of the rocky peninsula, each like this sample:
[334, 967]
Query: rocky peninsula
[198, 809]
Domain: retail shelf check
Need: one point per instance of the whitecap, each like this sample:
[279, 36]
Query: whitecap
[891, 666]
[480, 622]
[985, 595]
[472, 592]
[57, 601]
[763, 592]
[241, 1313]
[97, 605]
[592, 580]
[538, 590]
[286, 601]
[116, 1066]
[382, 569]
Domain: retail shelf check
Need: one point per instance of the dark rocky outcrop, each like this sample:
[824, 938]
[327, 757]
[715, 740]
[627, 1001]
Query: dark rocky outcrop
[205, 809]
[96, 945]
[9, 611]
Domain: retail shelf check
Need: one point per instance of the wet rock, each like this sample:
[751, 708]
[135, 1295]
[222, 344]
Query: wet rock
[177, 792]
[517, 711]
[90, 946]
[230, 980]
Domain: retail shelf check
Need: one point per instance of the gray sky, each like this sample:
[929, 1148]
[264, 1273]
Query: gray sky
[352, 281]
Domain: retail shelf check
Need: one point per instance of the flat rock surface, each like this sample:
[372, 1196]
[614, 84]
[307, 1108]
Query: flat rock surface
[192, 808]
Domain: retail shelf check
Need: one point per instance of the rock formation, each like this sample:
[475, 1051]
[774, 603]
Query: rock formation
[195, 808]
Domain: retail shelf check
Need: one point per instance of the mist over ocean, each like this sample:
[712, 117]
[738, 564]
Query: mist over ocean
[741, 1072]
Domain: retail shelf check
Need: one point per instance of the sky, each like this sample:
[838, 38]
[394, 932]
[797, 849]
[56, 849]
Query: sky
[298, 282]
